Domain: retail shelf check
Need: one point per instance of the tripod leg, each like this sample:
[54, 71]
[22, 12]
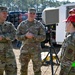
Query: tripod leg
[51, 61]
[58, 61]
[44, 60]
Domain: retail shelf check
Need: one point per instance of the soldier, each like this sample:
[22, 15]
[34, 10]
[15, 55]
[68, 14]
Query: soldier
[31, 33]
[68, 49]
[71, 12]
[7, 35]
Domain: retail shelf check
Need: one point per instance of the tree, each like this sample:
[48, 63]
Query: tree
[23, 5]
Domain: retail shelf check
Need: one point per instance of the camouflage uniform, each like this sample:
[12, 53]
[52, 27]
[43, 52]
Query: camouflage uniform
[7, 57]
[31, 48]
[68, 55]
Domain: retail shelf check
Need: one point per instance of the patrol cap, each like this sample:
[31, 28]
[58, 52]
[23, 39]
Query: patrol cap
[32, 10]
[70, 19]
[72, 10]
[3, 9]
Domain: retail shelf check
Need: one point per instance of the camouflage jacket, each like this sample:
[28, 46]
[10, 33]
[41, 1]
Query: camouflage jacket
[7, 31]
[36, 28]
[68, 53]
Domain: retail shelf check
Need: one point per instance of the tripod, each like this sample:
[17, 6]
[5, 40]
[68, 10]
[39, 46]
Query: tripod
[51, 53]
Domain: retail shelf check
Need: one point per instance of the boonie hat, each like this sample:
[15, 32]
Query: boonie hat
[32, 10]
[70, 19]
[3, 9]
[72, 10]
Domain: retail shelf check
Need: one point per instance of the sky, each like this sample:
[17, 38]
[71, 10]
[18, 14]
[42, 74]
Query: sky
[66, 0]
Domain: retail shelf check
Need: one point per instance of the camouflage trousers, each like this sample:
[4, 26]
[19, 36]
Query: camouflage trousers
[7, 60]
[71, 72]
[64, 73]
[9, 67]
[24, 60]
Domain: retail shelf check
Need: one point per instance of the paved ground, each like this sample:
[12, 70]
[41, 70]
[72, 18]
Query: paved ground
[46, 70]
